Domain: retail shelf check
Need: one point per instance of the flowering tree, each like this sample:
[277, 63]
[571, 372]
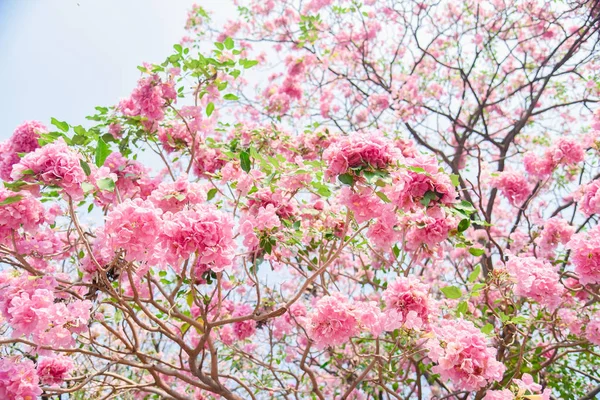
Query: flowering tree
[406, 208]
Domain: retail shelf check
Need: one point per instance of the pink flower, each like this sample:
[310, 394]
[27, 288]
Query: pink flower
[204, 231]
[428, 227]
[463, 355]
[54, 164]
[174, 196]
[53, 371]
[247, 328]
[539, 167]
[25, 137]
[585, 255]
[556, 231]
[513, 186]
[363, 203]
[536, 279]
[404, 296]
[27, 212]
[134, 226]
[503, 394]
[149, 99]
[366, 150]
[592, 330]
[590, 201]
[332, 322]
[567, 150]
[18, 379]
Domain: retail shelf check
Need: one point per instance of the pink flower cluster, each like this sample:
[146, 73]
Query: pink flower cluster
[585, 255]
[428, 227]
[134, 226]
[175, 196]
[463, 356]
[23, 140]
[592, 330]
[27, 212]
[149, 98]
[409, 186]
[18, 379]
[130, 176]
[589, 202]
[367, 150]
[204, 231]
[54, 164]
[513, 186]
[565, 151]
[556, 231]
[29, 306]
[407, 304]
[54, 370]
[536, 279]
[332, 322]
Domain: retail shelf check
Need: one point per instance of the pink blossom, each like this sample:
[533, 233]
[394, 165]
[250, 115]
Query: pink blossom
[539, 167]
[536, 279]
[513, 186]
[503, 394]
[332, 322]
[366, 150]
[403, 296]
[247, 328]
[27, 212]
[54, 370]
[25, 137]
[174, 196]
[463, 355]
[204, 231]
[134, 226]
[363, 203]
[556, 231]
[428, 227]
[149, 99]
[585, 255]
[567, 150]
[590, 201]
[18, 379]
[592, 330]
[54, 164]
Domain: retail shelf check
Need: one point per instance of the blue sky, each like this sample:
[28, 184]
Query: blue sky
[61, 58]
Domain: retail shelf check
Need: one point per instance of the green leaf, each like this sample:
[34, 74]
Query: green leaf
[87, 187]
[211, 194]
[85, 166]
[249, 63]
[462, 308]
[63, 126]
[190, 298]
[228, 43]
[455, 180]
[428, 197]
[245, 161]
[464, 224]
[475, 274]
[10, 200]
[210, 107]
[487, 329]
[346, 179]
[80, 130]
[476, 252]
[451, 292]
[106, 184]
[178, 48]
[230, 96]
[102, 151]
[219, 45]
[383, 197]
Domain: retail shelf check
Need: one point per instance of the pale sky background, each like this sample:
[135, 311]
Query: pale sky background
[61, 58]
